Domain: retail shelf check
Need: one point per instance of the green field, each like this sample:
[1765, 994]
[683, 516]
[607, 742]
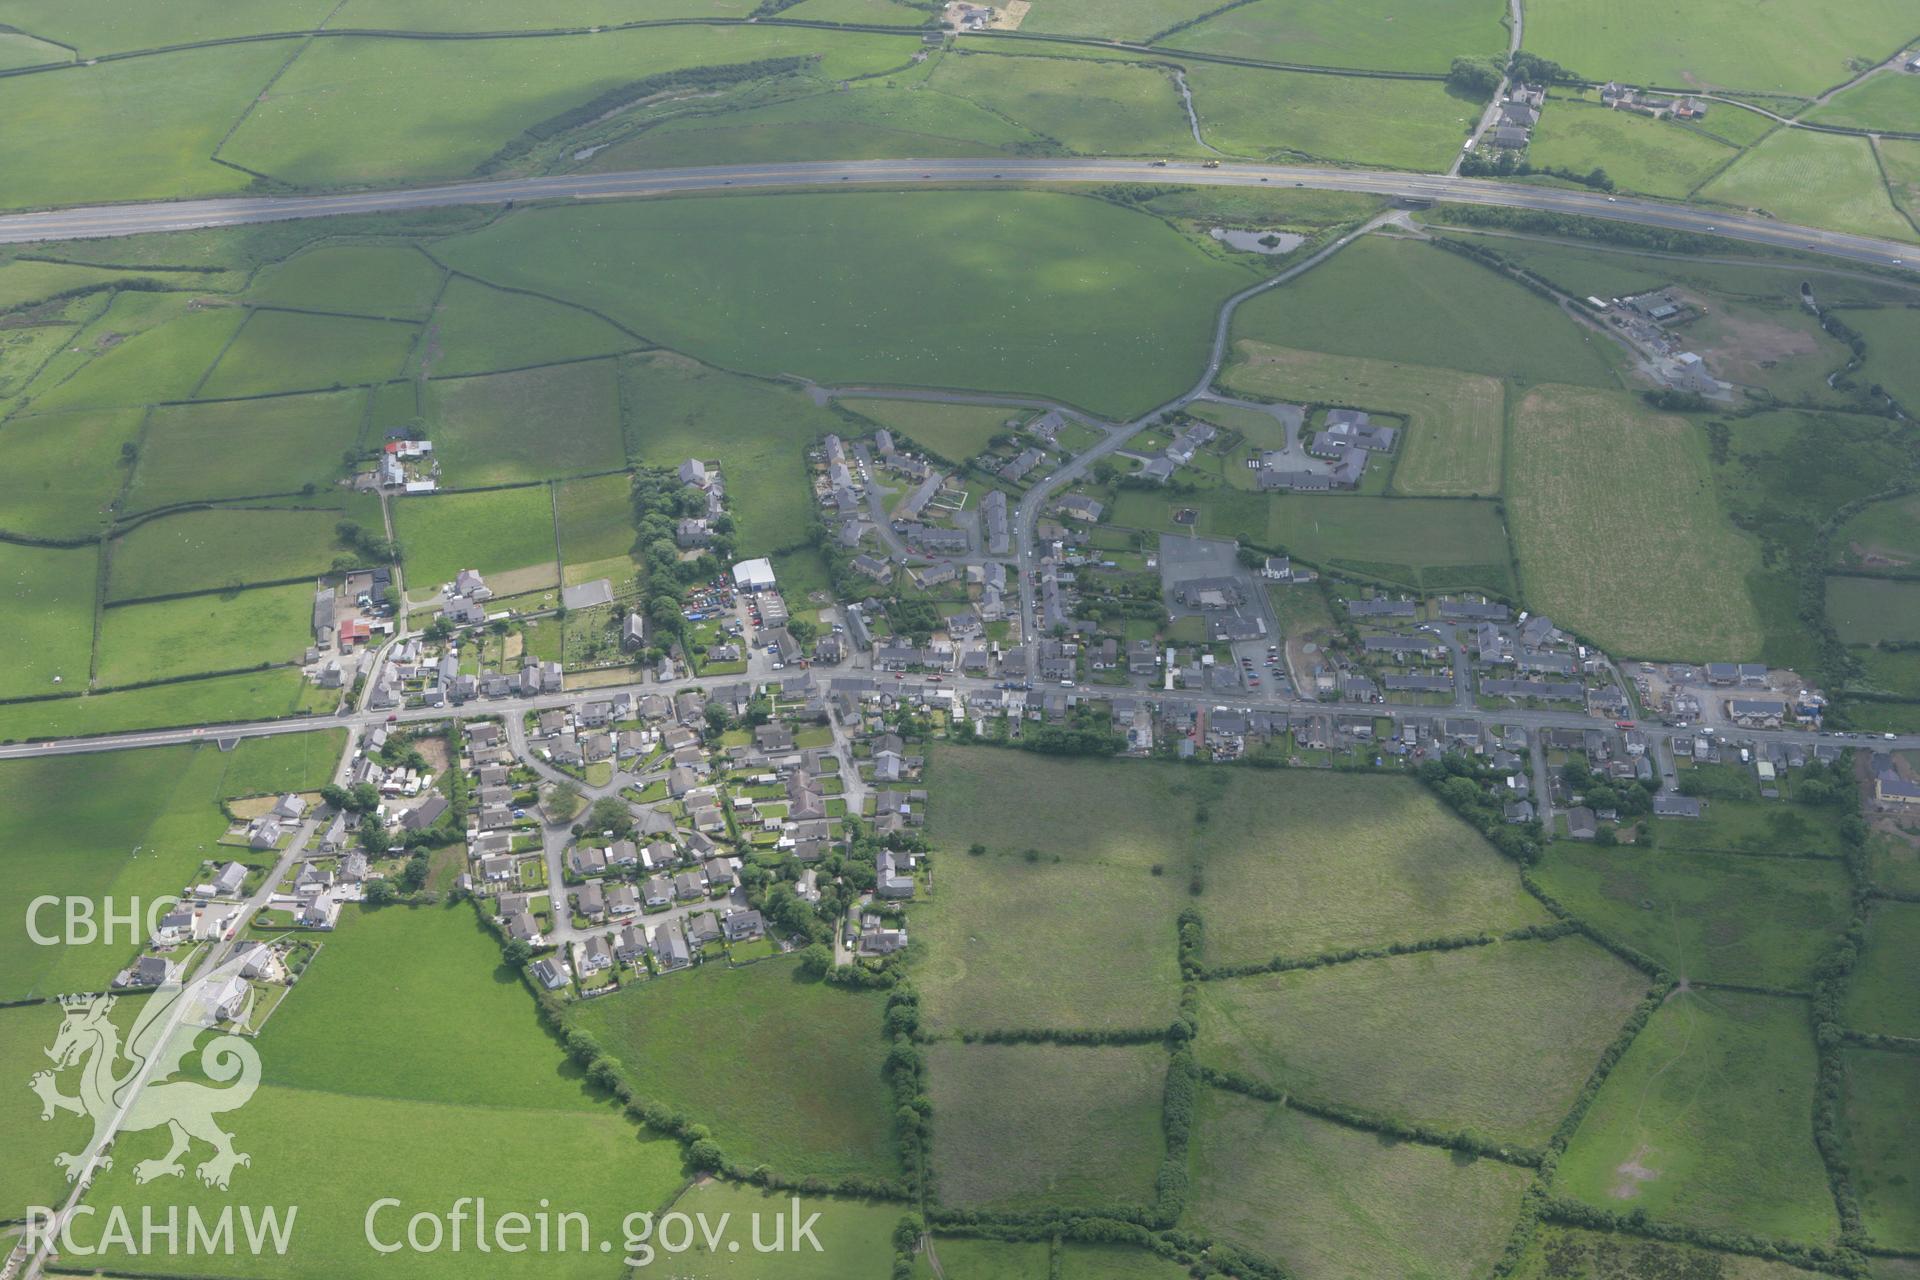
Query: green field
[1884, 993]
[1714, 917]
[469, 1094]
[1881, 1101]
[954, 431]
[1404, 301]
[67, 139]
[277, 352]
[1707, 1120]
[854, 1236]
[193, 635]
[1656, 157]
[1887, 102]
[1091, 108]
[1900, 158]
[1869, 610]
[373, 110]
[1886, 531]
[1802, 48]
[1570, 1253]
[29, 1176]
[1333, 1203]
[533, 424]
[391, 281]
[785, 1072]
[479, 329]
[51, 591]
[59, 472]
[217, 547]
[103, 26]
[1082, 1129]
[1408, 1038]
[1657, 507]
[1819, 179]
[244, 448]
[496, 531]
[1890, 334]
[1114, 19]
[857, 287]
[164, 359]
[1376, 35]
[1401, 124]
[595, 518]
[1734, 825]
[255, 695]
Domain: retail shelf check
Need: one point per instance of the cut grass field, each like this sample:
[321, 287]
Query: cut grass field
[480, 329]
[784, 1071]
[1401, 300]
[1375, 35]
[1455, 421]
[1090, 107]
[1732, 918]
[1587, 549]
[1401, 124]
[1333, 1203]
[244, 448]
[954, 431]
[202, 550]
[1708, 1120]
[1407, 1038]
[255, 695]
[1883, 995]
[533, 424]
[397, 282]
[194, 635]
[50, 592]
[494, 531]
[1869, 610]
[1820, 179]
[359, 110]
[1655, 157]
[1880, 1120]
[825, 280]
[1082, 1130]
[277, 352]
[59, 472]
[1803, 47]
[472, 1097]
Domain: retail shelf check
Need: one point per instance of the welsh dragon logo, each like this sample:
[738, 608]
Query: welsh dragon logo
[136, 1086]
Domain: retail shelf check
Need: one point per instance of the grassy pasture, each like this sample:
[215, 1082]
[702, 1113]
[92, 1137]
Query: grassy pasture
[1707, 1120]
[1089, 107]
[1639, 153]
[68, 142]
[1082, 1130]
[480, 329]
[1114, 19]
[1901, 160]
[50, 593]
[1890, 333]
[393, 281]
[1400, 300]
[508, 15]
[25, 280]
[141, 642]
[1820, 179]
[855, 1236]
[1570, 1253]
[1732, 825]
[677, 408]
[1375, 35]
[1889, 101]
[1659, 508]
[1889, 529]
[244, 448]
[821, 277]
[254, 695]
[784, 1071]
[25, 51]
[25, 351]
[164, 360]
[1802, 48]
[595, 519]
[971, 1258]
[1869, 610]
[1884, 992]
[1713, 917]
[231, 546]
[494, 531]
[954, 431]
[378, 110]
[59, 471]
[532, 424]
[1880, 1118]
[1402, 124]
[1408, 1037]
[102, 26]
[277, 352]
[1333, 1203]
[1456, 424]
